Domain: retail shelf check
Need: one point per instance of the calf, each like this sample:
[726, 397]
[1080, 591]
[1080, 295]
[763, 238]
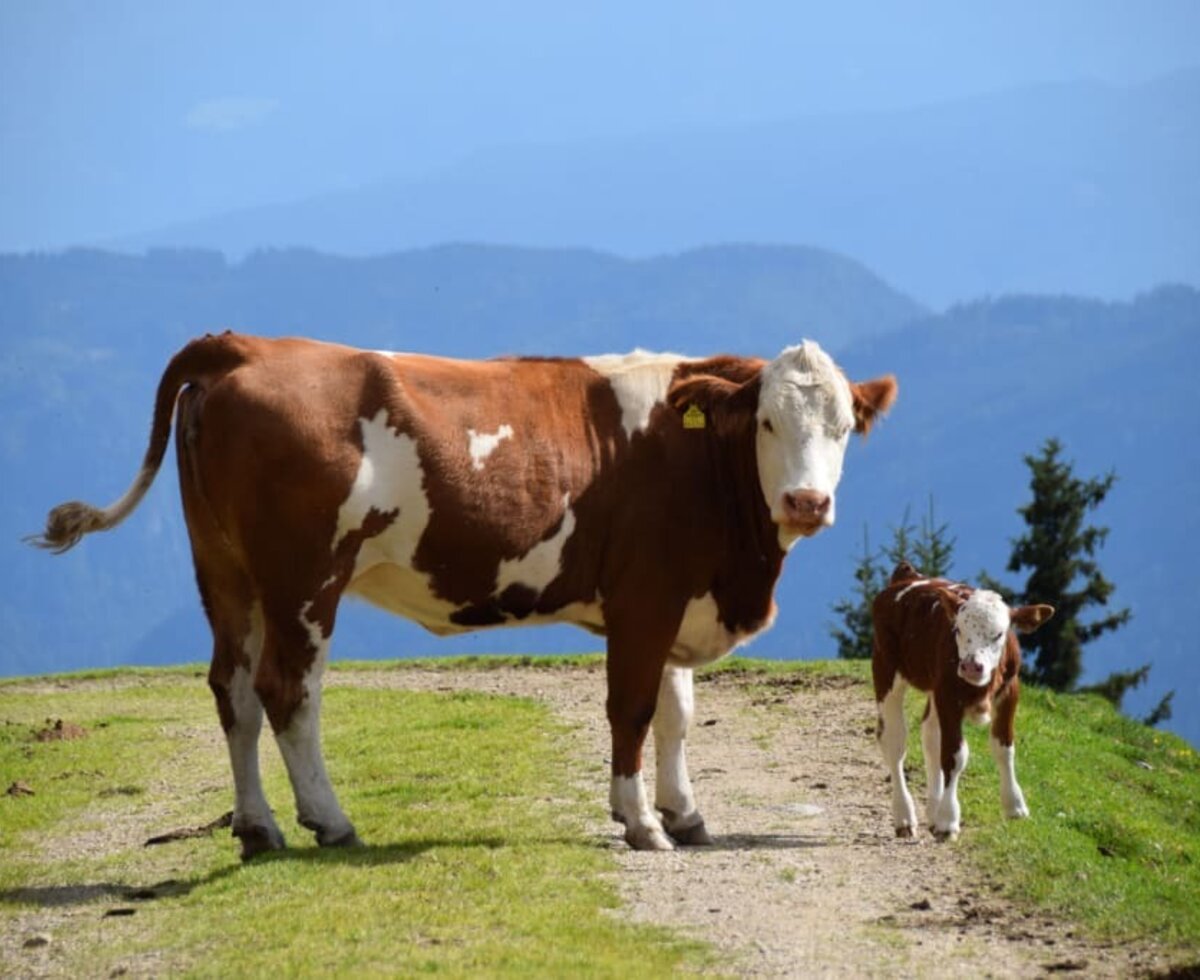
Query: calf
[955, 644]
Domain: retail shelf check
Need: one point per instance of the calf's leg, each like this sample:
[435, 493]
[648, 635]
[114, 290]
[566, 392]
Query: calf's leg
[673, 788]
[1012, 800]
[893, 739]
[947, 816]
[931, 742]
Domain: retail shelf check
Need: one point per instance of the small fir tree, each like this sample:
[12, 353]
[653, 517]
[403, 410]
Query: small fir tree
[1059, 548]
[855, 636]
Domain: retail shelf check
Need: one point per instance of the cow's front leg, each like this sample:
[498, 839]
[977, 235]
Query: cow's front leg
[673, 788]
[637, 654]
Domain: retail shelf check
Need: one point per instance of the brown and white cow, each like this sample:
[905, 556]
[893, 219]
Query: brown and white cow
[955, 644]
[650, 498]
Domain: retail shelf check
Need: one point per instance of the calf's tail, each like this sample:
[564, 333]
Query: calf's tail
[199, 362]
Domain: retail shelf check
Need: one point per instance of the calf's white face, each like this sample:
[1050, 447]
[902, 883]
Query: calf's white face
[980, 630]
[805, 417]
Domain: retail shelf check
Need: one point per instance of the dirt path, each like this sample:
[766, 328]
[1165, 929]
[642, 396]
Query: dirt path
[805, 878]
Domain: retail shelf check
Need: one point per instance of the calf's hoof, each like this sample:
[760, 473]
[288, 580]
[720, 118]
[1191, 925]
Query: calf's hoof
[258, 840]
[647, 839]
[904, 831]
[945, 834]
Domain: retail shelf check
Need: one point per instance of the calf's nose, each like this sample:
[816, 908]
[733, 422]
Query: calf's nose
[806, 506]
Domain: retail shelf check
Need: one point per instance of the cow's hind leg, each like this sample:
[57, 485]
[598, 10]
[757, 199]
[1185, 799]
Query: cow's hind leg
[237, 627]
[295, 651]
[673, 788]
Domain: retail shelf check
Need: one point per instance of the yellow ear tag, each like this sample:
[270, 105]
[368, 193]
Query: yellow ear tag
[694, 418]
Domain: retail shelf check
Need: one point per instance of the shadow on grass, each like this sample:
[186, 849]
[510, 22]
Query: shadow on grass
[366, 855]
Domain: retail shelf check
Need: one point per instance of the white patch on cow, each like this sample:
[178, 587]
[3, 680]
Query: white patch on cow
[805, 417]
[540, 565]
[1012, 800]
[702, 637]
[482, 444]
[640, 381]
[981, 628]
[390, 479]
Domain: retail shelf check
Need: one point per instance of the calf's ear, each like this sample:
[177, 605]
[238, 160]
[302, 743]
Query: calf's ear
[872, 399]
[1025, 619]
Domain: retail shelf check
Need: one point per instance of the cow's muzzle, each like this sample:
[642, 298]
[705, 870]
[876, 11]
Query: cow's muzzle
[805, 512]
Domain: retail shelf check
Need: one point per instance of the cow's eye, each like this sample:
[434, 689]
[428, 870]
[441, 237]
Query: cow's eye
[767, 426]
[998, 637]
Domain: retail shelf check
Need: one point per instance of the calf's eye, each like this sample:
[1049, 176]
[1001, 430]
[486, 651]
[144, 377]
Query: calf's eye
[767, 426]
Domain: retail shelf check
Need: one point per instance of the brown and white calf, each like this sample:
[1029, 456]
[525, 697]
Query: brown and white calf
[650, 498]
[956, 644]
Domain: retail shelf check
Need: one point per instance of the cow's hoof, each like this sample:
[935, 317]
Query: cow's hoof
[694, 836]
[945, 834]
[347, 838]
[647, 839]
[1017, 812]
[258, 840]
[905, 831]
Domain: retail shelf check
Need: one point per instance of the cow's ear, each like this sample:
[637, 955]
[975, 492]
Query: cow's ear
[872, 399]
[1025, 619]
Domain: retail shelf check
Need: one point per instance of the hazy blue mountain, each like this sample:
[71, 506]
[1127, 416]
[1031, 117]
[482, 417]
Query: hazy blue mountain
[84, 336]
[1081, 187]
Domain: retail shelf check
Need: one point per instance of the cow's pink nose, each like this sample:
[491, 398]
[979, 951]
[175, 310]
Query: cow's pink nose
[805, 506]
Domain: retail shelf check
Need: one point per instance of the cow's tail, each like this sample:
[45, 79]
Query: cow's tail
[200, 361]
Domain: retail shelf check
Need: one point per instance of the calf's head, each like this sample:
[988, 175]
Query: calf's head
[981, 624]
[806, 412]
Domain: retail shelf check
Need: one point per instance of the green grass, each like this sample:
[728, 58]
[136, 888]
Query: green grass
[1113, 842]
[1114, 838]
[478, 859]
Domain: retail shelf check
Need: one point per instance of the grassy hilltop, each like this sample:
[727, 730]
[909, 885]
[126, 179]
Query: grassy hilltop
[479, 855]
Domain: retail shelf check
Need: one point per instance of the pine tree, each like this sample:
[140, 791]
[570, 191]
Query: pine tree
[929, 548]
[855, 636]
[934, 548]
[1059, 550]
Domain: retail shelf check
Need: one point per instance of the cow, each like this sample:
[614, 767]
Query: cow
[957, 645]
[650, 498]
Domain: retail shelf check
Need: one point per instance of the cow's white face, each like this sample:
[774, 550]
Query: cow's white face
[805, 417]
[980, 630]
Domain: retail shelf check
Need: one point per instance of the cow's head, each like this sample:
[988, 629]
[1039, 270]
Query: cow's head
[806, 412]
[981, 623]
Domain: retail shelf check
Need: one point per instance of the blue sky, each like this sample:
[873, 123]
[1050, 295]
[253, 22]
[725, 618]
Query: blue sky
[119, 116]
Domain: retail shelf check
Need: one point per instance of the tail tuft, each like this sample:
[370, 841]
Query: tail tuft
[66, 524]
